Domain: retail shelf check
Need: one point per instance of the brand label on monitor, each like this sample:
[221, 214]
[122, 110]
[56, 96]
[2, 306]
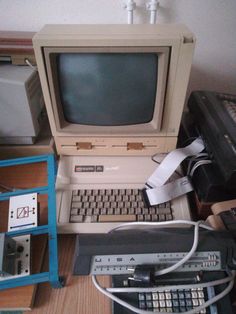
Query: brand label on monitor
[89, 168]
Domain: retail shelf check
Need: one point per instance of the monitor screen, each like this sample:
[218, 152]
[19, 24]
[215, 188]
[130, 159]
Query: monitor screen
[114, 89]
[107, 89]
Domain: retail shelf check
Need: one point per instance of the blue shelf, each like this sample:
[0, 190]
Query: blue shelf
[50, 229]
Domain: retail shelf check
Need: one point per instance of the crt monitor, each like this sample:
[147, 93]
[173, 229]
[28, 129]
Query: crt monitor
[114, 90]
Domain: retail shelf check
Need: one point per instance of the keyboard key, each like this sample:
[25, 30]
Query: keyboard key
[195, 302]
[148, 296]
[86, 205]
[175, 303]
[138, 211]
[81, 211]
[89, 212]
[156, 304]
[181, 295]
[96, 211]
[147, 217]
[154, 217]
[76, 198]
[155, 296]
[94, 218]
[145, 211]
[149, 304]
[117, 211]
[168, 295]
[74, 211]
[108, 192]
[162, 217]
[174, 295]
[194, 294]
[103, 211]
[163, 210]
[189, 302]
[169, 217]
[140, 217]
[131, 211]
[116, 218]
[76, 218]
[141, 296]
[142, 304]
[76, 205]
[124, 211]
[200, 294]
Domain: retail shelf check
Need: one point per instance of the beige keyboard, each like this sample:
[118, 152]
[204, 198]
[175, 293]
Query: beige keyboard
[115, 205]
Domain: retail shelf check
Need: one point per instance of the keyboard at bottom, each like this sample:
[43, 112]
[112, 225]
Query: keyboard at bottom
[169, 301]
[115, 205]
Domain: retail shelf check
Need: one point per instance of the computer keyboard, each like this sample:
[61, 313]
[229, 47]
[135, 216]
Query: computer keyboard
[175, 301]
[115, 205]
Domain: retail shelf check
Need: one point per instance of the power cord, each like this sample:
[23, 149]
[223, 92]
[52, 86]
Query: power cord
[198, 164]
[195, 158]
[166, 223]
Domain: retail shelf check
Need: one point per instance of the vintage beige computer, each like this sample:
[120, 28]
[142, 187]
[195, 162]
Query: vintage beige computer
[114, 96]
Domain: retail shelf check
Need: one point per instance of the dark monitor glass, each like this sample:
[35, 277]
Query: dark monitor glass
[107, 89]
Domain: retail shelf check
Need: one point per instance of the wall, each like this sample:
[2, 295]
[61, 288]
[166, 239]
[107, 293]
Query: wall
[212, 21]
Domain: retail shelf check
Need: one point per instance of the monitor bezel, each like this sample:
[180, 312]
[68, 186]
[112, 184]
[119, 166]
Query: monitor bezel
[151, 127]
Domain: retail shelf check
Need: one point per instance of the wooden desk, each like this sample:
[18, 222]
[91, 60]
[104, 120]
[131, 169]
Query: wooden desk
[78, 296]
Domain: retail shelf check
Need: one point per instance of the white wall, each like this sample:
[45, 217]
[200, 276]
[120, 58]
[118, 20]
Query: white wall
[212, 21]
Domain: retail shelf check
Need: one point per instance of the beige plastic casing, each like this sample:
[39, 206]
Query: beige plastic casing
[173, 43]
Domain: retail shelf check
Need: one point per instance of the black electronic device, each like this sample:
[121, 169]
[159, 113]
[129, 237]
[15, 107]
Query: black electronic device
[135, 257]
[208, 181]
[215, 116]
[119, 252]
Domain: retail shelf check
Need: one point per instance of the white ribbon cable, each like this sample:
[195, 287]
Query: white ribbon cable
[172, 161]
[169, 191]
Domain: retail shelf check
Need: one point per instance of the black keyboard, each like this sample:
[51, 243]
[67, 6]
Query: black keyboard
[167, 301]
[176, 301]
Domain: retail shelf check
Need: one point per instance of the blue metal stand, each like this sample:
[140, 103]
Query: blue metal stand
[50, 229]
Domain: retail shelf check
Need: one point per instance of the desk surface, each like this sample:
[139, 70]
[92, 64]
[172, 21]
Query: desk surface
[78, 296]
